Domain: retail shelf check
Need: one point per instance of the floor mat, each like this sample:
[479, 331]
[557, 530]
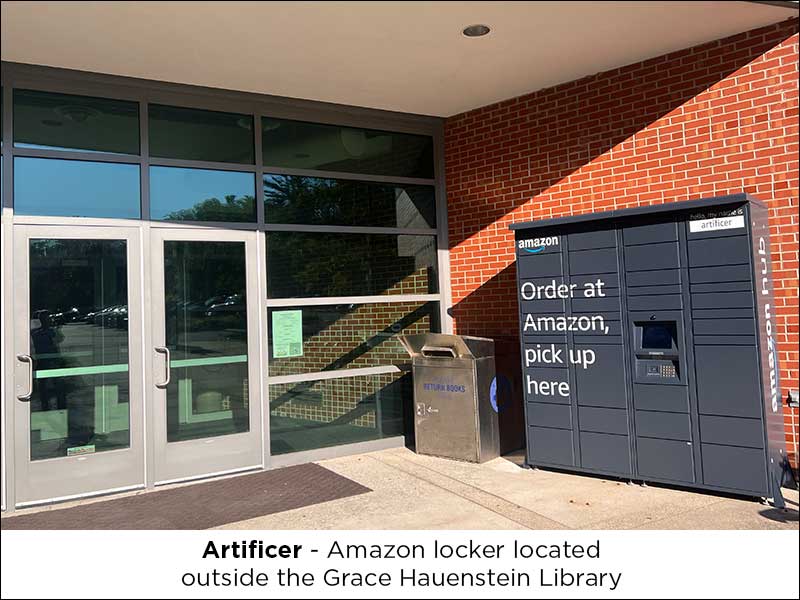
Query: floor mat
[201, 505]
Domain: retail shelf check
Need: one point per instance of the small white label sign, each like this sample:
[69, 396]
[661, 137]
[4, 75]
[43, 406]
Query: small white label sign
[716, 224]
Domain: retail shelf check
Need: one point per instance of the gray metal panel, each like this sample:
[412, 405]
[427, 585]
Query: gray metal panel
[739, 469]
[732, 431]
[603, 383]
[658, 277]
[542, 306]
[614, 330]
[649, 290]
[584, 262]
[725, 340]
[667, 398]
[723, 313]
[595, 305]
[552, 446]
[730, 326]
[720, 274]
[723, 300]
[665, 302]
[663, 255]
[558, 416]
[651, 233]
[728, 381]
[588, 240]
[611, 280]
[719, 251]
[539, 266]
[663, 425]
[665, 459]
[603, 452]
[723, 286]
[603, 420]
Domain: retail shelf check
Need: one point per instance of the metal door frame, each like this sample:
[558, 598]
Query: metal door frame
[64, 478]
[203, 457]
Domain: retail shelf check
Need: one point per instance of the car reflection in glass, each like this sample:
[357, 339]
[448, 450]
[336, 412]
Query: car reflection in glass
[233, 304]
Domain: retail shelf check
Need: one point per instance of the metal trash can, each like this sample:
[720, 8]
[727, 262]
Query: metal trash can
[453, 413]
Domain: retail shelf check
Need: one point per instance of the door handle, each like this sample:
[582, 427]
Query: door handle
[26, 358]
[165, 351]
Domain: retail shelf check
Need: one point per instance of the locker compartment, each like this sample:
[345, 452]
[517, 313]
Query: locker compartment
[603, 420]
[663, 425]
[546, 385]
[660, 277]
[724, 326]
[720, 274]
[651, 233]
[603, 383]
[584, 262]
[731, 250]
[735, 468]
[546, 305]
[652, 257]
[732, 431]
[594, 305]
[723, 313]
[666, 398]
[558, 416]
[605, 452]
[665, 302]
[611, 280]
[665, 459]
[557, 338]
[728, 381]
[589, 240]
[602, 340]
[651, 290]
[539, 266]
[725, 340]
[726, 286]
[723, 300]
[553, 446]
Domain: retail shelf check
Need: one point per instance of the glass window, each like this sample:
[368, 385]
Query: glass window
[345, 336]
[178, 194]
[320, 201]
[192, 134]
[79, 345]
[330, 412]
[76, 188]
[65, 122]
[303, 265]
[301, 145]
[206, 332]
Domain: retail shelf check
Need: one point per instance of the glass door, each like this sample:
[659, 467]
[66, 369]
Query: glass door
[78, 369]
[205, 354]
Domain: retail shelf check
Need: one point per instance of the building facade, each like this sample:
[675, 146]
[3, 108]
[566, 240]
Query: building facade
[200, 282]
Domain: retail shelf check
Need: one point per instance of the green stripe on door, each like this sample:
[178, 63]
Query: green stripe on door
[201, 362]
[73, 371]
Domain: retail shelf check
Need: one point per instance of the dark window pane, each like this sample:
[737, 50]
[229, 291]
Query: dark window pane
[301, 145]
[303, 265]
[206, 333]
[347, 336]
[76, 188]
[178, 194]
[318, 201]
[79, 345]
[192, 134]
[64, 122]
[331, 412]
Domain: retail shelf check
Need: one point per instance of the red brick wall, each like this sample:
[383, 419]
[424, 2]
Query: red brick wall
[714, 119]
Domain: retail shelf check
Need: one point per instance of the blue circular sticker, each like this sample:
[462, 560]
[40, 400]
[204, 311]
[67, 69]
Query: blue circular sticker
[499, 393]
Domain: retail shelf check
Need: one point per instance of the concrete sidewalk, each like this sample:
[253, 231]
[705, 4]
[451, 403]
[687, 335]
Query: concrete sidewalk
[421, 492]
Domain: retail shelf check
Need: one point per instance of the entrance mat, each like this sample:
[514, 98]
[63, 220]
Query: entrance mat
[201, 505]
